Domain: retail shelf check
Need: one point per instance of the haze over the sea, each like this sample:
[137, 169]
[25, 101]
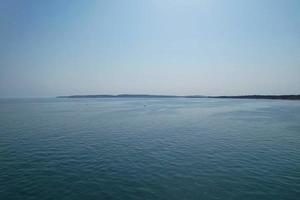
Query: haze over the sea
[177, 47]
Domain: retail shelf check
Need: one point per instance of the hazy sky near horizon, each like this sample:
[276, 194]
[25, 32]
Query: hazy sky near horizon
[208, 47]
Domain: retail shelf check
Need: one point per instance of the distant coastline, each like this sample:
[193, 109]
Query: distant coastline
[278, 97]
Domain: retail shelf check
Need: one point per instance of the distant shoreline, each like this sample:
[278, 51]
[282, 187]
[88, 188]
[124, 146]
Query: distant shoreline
[278, 97]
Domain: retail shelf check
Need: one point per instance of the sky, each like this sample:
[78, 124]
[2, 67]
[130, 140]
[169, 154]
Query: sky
[179, 47]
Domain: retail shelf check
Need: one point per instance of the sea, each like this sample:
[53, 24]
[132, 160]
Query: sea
[149, 148]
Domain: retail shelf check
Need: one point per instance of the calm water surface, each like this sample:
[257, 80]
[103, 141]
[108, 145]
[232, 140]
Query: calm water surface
[149, 149]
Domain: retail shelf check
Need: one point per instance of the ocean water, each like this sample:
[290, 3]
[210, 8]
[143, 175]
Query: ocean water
[149, 149]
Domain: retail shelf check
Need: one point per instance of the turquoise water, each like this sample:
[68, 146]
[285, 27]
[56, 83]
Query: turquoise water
[149, 149]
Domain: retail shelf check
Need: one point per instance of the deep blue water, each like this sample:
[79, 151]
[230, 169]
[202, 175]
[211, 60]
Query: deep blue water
[149, 149]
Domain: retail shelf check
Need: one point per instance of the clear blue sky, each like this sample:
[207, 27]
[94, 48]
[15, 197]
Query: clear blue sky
[222, 47]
